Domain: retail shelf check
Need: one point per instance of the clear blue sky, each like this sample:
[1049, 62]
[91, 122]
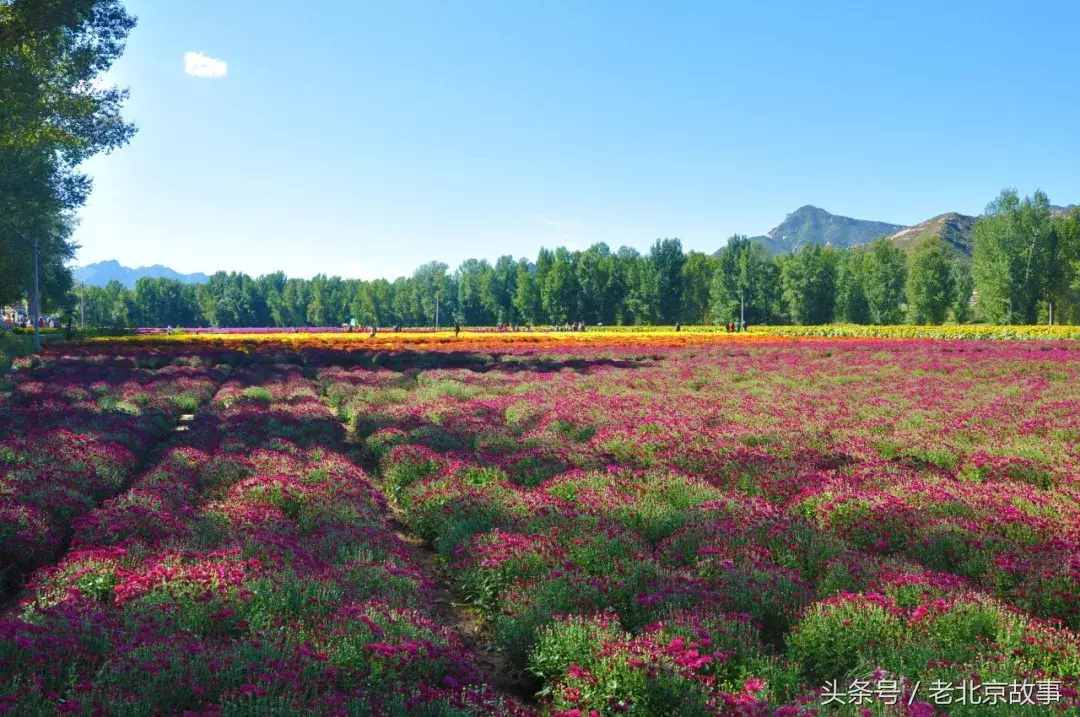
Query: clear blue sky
[365, 138]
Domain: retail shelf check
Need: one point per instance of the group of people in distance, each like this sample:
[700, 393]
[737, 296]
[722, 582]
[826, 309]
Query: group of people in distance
[730, 327]
[574, 326]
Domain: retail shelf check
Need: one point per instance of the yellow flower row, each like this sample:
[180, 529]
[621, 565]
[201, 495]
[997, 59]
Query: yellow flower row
[480, 340]
[907, 331]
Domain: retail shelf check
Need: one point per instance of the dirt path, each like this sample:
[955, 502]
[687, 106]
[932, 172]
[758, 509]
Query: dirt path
[495, 668]
[14, 583]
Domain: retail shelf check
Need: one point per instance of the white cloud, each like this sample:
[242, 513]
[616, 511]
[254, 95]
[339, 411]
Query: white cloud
[197, 64]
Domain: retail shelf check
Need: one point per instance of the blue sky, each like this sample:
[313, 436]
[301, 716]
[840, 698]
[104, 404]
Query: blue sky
[363, 139]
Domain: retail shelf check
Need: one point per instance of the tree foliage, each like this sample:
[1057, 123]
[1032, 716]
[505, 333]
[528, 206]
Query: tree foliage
[54, 114]
[808, 278]
[1066, 290]
[1015, 262]
[666, 261]
[745, 280]
[852, 305]
[886, 275]
[930, 286]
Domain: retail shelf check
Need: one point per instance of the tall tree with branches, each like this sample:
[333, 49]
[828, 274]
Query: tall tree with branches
[54, 114]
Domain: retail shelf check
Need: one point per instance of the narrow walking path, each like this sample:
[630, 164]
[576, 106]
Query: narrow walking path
[495, 668]
[15, 582]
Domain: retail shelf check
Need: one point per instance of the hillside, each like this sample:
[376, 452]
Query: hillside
[952, 228]
[102, 272]
[812, 225]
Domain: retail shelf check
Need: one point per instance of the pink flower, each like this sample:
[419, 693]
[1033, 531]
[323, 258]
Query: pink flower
[577, 672]
[753, 685]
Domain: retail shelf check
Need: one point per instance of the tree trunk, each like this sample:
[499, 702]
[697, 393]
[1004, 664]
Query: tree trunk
[35, 311]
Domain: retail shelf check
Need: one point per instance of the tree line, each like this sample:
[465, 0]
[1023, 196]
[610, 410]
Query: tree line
[1025, 265]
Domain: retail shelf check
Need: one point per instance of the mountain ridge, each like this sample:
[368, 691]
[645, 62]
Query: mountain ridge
[102, 272]
[952, 228]
[813, 225]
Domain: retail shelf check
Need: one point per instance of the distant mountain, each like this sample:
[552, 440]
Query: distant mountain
[812, 225]
[102, 272]
[952, 228]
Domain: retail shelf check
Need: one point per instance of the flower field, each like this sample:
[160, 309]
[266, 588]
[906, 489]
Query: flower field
[71, 435]
[667, 523]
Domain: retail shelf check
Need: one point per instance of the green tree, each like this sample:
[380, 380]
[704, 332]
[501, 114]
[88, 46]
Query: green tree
[667, 259]
[498, 291]
[321, 301]
[294, 301]
[473, 280]
[1066, 292]
[371, 304]
[886, 275]
[1015, 257]
[963, 290]
[164, 302]
[642, 305]
[560, 292]
[545, 259]
[435, 295]
[601, 291]
[406, 303]
[527, 298]
[744, 282]
[226, 300]
[116, 307]
[697, 279]
[271, 287]
[54, 114]
[808, 280]
[930, 290]
[852, 306]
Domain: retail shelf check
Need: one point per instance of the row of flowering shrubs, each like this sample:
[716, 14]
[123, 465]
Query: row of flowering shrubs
[71, 434]
[420, 339]
[250, 570]
[977, 332]
[723, 529]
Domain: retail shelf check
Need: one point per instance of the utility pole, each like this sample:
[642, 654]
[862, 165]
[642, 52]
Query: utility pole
[36, 312]
[436, 311]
